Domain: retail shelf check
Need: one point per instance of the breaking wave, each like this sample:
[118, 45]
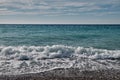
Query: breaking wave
[55, 51]
[29, 59]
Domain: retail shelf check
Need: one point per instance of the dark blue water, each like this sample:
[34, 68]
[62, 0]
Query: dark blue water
[98, 36]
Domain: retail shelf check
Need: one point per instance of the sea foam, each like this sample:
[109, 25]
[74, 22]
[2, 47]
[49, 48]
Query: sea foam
[55, 51]
[34, 59]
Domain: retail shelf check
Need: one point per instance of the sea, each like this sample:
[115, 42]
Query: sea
[34, 48]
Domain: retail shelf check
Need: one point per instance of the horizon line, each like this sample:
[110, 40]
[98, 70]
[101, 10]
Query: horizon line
[58, 24]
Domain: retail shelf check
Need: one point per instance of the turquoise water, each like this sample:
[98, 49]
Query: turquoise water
[37, 48]
[97, 36]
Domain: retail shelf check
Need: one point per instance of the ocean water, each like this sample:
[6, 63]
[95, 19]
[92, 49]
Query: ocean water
[37, 48]
[98, 36]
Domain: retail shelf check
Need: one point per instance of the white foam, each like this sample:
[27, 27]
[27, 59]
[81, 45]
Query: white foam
[29, 59]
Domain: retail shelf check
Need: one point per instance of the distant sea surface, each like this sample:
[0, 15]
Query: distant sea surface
[97, 36]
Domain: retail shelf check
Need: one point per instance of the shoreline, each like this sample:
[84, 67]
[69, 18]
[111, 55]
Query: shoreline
[67, 74]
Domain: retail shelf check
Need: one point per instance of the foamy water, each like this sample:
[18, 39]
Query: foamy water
[34, 59]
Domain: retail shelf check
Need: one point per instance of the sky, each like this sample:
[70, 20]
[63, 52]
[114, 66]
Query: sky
[59, 11]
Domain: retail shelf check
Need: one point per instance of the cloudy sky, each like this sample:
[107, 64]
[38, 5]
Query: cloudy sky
[60, 11]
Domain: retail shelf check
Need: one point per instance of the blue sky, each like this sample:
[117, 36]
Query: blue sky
[60, 11]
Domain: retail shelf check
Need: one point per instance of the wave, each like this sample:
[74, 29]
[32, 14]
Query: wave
[29, 59]
[55, 51]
